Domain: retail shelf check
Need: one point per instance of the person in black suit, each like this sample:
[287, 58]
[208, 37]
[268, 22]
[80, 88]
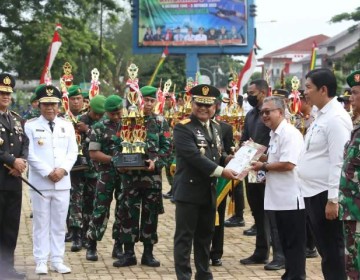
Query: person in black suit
[13, 153]
[199, 152]
[217, 244]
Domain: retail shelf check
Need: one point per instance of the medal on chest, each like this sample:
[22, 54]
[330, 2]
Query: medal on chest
[200, 141]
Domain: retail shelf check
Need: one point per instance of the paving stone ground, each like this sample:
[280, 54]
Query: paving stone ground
[237, 246]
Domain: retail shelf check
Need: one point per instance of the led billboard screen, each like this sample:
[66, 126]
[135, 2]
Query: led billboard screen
[189, 24]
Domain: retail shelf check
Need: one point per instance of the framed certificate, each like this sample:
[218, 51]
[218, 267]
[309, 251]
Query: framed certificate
[249, 151]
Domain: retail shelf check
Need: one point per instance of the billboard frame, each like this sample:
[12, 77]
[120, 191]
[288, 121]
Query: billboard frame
[198, 50]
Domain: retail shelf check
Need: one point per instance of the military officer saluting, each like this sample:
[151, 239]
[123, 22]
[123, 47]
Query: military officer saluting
[198, 143]
[13, 152]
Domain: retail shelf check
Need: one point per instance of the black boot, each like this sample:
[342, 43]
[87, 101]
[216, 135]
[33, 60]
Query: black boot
[128, 258]
[76, 240]
[68, 235]
[148, 258]
[117, 250]
[91, 252]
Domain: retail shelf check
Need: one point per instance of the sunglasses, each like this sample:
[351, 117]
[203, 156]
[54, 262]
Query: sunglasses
[267, 112]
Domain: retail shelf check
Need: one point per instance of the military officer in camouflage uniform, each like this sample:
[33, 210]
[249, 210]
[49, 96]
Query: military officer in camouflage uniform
[76, 102]
[141, 192]
[349, 191]
[34, 112]
[82, 197]
[104, 142]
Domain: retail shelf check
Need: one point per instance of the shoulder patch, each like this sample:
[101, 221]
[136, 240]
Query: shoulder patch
[185, 121]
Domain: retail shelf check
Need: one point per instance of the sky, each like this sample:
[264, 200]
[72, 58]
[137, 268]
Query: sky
[297, 20]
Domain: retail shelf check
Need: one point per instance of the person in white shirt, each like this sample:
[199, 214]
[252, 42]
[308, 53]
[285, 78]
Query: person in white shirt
[319, 170]
[178, 36]
[52, 153]
[201, 36]
[282, 191]
[189, 35]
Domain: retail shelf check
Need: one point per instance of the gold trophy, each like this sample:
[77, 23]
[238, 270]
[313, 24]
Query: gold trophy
[133, 130]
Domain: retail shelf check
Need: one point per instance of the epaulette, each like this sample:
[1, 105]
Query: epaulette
[215, 121]
[185, 121]
[16, 114]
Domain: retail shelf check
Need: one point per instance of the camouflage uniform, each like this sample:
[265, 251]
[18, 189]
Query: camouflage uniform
[142, 188]
[349, 203]
[32, 113]
[83, 185]
[104, 137]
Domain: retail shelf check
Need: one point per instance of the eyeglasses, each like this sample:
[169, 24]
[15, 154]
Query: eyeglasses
[267, 112]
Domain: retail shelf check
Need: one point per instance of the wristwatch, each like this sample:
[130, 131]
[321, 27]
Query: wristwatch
[264, 167]
[333, 200]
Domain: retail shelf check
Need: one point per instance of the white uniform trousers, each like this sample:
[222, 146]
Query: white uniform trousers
[49, 224]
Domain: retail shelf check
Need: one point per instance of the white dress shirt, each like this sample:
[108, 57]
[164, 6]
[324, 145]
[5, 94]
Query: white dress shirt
[282, 191]
[321, 160]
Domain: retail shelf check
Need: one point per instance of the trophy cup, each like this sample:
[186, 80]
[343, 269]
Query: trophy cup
[66, 81]
[133, 130]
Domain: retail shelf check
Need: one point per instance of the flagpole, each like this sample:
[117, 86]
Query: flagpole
[161, 61]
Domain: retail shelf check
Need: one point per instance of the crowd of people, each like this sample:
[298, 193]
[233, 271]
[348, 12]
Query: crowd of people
[193, 35]
[304, 192]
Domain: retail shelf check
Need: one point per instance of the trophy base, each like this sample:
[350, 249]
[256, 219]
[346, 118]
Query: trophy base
[135, 161]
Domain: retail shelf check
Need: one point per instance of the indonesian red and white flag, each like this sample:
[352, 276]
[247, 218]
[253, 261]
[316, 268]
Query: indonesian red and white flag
[52, 51]
[247, 71]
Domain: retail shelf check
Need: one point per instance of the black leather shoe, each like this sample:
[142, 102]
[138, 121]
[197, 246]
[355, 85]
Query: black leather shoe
[234, 222]
[275, 265]
[125, 260]
[12, 273]
[253, 260]
[167, 195]
[311, 253]
[251, 231]
[216, 262]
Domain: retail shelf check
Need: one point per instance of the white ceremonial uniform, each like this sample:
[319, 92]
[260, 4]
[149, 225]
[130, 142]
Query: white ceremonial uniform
[282, 190]
[47, 151]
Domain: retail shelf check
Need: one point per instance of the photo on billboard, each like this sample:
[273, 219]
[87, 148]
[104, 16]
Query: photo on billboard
[186, 23]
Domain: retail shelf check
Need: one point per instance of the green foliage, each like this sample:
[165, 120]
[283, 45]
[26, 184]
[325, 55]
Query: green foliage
[351, 60]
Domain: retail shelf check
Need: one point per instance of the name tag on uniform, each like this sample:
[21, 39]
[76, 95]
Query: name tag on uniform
[273, 148]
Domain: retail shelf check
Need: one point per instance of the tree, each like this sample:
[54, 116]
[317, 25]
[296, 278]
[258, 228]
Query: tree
[352, 58]
[26, 29]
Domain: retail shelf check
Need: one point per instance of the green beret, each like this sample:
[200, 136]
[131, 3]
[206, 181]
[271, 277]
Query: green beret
[97, 104]
[74, 90]
[33, 98]
[85, 94]
[113, 103]
[354, 79]
[148, 91]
